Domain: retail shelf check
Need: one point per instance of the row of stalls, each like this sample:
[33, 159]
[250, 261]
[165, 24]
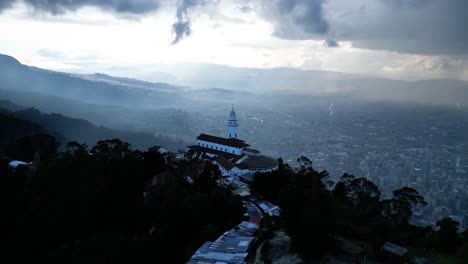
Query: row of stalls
[236, 245]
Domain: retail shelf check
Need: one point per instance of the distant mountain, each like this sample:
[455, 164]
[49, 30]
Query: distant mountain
[100, 89]
[206, 76]
[219, 83]
[302, 82]
[129, 82]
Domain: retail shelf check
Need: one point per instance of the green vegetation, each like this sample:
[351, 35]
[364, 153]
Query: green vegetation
[100, 206]
[317, 214]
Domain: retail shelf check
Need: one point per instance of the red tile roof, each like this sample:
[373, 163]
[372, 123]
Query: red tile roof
[255, 220]
[258, 163]
[226, 164]
[232, 142]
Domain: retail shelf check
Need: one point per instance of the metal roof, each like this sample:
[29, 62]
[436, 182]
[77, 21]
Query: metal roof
[395, 249]
[230, 248]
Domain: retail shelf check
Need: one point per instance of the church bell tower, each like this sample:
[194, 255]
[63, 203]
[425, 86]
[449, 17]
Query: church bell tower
[232, 125]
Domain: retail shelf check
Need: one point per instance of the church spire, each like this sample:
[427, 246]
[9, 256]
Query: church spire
[232, 125]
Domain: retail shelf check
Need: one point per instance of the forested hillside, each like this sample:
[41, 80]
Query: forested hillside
[76, 129]
[101, 206]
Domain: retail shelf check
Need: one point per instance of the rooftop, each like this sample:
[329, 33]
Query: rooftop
[231, 248]
[257, 163]
[232, 142]
[248, 226]
[251, 150]
[231, 244]
[226, 155]
[395, 249]
[226, 164]
[16, 163]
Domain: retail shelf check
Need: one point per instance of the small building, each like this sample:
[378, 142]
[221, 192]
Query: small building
[21, 170]
[269, 208]
[16, 163]
[161, 178]
[394, 253]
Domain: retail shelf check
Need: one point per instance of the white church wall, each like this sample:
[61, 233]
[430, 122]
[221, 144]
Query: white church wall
[237, 171]
[220, 147]
[232, 131]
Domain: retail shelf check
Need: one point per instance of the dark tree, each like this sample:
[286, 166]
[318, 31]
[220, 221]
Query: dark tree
[315, 213]
[446, 239]
[399, 209]
[306, 212]
[206, 181]
[25, 148]
[463, 251]
[269, 185]
[362, 193]
[76, 149]
[114, 148]
[184, 215]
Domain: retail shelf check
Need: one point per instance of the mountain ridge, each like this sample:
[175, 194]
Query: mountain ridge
[82, 130]
[216, 84]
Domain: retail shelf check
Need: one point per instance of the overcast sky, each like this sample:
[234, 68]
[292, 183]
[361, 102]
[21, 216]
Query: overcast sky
[404, 39]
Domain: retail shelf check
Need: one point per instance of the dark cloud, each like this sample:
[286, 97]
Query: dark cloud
[413, 26]
[246, 9]
[4, 4]
[296, 19]
[60, 6]
[331, 43]
[181, 28]
[407, 26]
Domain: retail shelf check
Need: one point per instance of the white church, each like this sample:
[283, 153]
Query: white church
[232, 155]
